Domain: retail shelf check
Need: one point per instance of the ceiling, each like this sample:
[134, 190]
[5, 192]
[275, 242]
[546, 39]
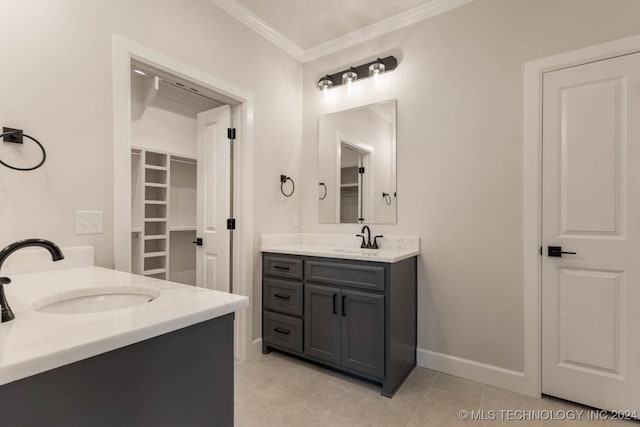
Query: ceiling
[310, 23]
[308, 30]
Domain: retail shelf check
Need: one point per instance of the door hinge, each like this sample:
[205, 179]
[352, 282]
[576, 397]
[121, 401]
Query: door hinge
[361, 170]
[231, 224]
[231, 133]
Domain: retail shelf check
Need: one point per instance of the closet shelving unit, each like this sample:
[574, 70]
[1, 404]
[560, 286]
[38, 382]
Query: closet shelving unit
[163, 215]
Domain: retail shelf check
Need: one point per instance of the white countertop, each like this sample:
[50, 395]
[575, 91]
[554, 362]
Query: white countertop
[35, 342]
[341, 246]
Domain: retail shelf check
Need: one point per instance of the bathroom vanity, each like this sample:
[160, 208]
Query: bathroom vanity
[349, 308]
[164, 362]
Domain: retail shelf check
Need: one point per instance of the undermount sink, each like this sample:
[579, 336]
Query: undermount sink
[96, 299]
[361, 251]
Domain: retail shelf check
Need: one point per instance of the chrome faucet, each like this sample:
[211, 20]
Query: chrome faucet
[56, 255]
[366, 243]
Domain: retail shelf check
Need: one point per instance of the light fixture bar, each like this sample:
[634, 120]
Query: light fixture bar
[380, 65]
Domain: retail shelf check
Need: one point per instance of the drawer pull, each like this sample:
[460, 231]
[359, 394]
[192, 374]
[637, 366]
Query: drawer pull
[282, 331]
[335, 311]
[287, 297]
[279, 267]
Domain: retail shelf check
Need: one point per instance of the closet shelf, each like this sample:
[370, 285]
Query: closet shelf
[155, 254]
[156, 271]
[155, 202]
[155, 220]
[136, 229]
[155, 237]
[182, 228]
[154, 184]
[157, 168]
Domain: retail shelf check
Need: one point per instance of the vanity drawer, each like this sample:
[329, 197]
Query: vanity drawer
[283, 296]
[283, 331]
[355, 275]
[283, 266]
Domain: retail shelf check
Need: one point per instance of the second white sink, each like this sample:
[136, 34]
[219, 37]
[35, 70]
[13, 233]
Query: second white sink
[96, 299]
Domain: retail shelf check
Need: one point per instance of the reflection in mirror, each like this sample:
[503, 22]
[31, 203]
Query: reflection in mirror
[357, 154]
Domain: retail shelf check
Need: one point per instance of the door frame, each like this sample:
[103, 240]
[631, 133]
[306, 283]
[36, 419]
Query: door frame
[532, 194]
[123, 51]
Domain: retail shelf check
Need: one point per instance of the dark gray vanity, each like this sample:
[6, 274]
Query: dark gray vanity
[356, 316]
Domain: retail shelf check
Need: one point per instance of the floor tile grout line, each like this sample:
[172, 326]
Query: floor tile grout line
[423, 399]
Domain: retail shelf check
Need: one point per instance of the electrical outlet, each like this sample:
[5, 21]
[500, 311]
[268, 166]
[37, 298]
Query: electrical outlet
[89, 222]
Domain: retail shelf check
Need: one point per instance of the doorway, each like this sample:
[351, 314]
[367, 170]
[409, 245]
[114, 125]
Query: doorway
[355, 187]
[124, 53]
[180, 183]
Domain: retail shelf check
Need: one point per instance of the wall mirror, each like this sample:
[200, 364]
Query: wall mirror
[357, 170]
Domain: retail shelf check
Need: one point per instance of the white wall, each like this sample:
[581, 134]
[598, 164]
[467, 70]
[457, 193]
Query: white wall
[58, 89]
[459, 85]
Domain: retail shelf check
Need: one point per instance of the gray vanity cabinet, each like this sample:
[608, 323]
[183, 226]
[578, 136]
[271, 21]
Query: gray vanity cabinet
[322, 323]
[357, 316]
[345, 327]
[363, 332]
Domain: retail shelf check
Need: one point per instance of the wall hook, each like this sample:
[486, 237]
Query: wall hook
[283, 180]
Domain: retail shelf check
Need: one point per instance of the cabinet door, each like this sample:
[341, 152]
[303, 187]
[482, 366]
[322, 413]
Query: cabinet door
[363, 332]
[322, 322]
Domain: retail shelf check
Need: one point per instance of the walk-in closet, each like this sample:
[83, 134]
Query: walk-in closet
[164, 174]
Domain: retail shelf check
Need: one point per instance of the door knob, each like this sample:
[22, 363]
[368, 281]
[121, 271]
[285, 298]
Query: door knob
[198, 241]
[556, 251]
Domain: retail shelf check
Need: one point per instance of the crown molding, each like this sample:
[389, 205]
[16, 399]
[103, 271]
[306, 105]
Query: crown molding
[387, 25]
[253, 21]
[404, 19]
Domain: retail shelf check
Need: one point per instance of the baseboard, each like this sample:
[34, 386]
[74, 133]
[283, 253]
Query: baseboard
[471, 370]
[255, 348]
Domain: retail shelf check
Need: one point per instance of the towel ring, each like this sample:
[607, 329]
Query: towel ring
[283, 179]
[324, 196]
[19, 134]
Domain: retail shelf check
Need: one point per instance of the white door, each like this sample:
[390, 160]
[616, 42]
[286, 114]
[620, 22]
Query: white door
[591, 206]
[212, 264]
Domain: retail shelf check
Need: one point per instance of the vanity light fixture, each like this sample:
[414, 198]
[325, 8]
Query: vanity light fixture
[325, 83]
[376, 68]
[373, 68]
[350, 76]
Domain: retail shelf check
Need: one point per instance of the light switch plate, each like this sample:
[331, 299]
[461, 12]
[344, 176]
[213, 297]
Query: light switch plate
[89, 222]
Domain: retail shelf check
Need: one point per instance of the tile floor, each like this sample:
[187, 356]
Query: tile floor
[280, 390]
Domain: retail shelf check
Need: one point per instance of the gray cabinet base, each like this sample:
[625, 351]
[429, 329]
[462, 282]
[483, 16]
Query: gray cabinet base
[183, 378]
[389, 384]
[393, 283]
